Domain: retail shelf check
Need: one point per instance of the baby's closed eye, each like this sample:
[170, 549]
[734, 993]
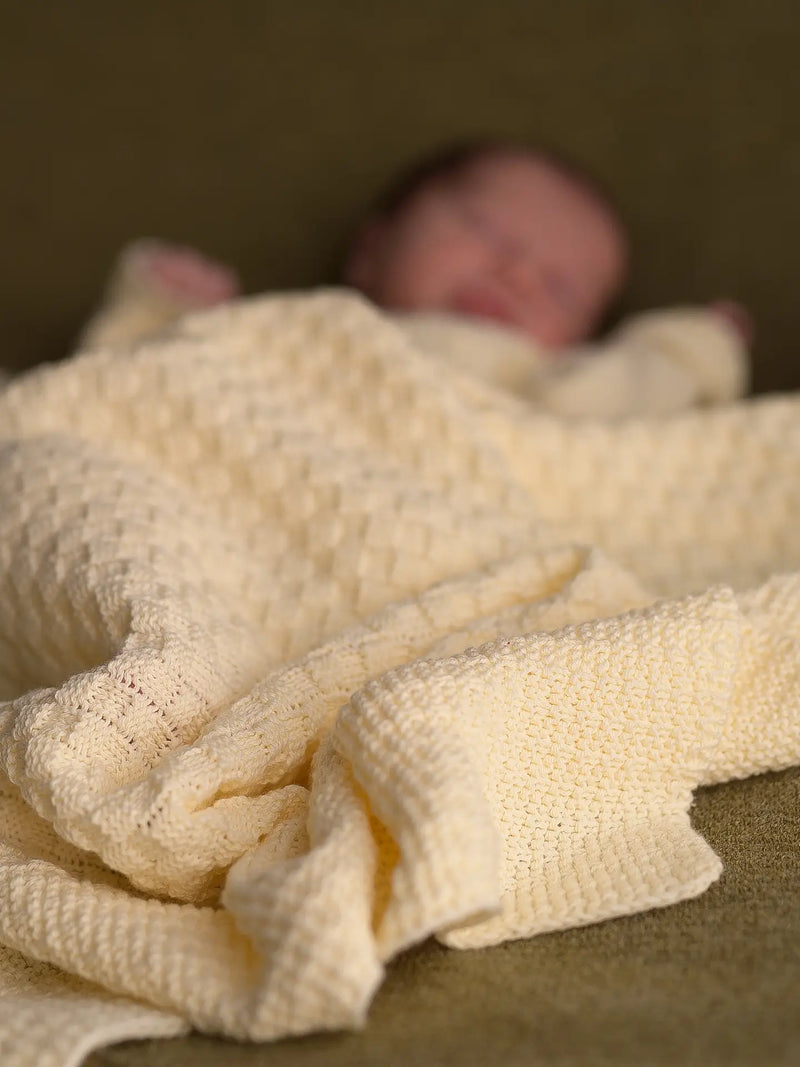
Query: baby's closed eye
[487, 229]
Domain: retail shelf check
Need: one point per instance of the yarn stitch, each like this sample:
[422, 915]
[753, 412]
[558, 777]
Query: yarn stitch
[309, 651]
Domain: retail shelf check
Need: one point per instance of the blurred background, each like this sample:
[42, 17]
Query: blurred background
[259, 131]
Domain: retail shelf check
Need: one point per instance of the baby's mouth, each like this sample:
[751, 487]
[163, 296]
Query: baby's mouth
[482, 303]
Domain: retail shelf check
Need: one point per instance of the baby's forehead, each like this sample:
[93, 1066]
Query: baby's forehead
[526, 187]
[533, 178]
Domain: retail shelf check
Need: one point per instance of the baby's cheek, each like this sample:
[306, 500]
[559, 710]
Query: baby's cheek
[427, 277]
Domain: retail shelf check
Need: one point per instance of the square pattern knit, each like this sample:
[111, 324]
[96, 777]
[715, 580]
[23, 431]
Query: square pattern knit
[310, 651]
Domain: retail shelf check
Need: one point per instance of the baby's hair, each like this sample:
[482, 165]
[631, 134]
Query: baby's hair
[454, 159]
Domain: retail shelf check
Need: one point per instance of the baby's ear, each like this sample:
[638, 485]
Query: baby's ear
[363, 255]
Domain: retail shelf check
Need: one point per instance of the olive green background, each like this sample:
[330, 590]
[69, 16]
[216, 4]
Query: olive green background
[259, 131]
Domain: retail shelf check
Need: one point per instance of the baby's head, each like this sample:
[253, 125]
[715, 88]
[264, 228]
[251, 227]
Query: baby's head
[496, 231]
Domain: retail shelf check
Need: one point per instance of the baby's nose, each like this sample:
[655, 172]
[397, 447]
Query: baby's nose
[515, 268]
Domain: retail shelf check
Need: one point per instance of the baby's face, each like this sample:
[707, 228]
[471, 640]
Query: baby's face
[510, 238]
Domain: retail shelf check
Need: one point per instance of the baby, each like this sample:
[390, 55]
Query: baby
[503, 260]
[496, 232]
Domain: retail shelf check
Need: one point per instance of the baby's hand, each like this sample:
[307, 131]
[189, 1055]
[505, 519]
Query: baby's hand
[737, 317]
[181, 275]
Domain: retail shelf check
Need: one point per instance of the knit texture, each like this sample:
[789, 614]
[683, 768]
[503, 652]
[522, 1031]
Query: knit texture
[653, 364]
[309, 651]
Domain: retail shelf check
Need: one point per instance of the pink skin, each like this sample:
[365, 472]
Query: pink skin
[510, 238]
[738, 318]
[184, 275]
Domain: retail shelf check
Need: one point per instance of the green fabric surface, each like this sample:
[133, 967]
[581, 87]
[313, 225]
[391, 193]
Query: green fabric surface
[259, 132]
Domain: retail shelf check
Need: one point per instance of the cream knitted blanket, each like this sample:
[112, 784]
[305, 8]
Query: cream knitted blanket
[310, 651]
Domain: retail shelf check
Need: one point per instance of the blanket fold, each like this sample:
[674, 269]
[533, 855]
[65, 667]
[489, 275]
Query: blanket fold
[310, 650]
